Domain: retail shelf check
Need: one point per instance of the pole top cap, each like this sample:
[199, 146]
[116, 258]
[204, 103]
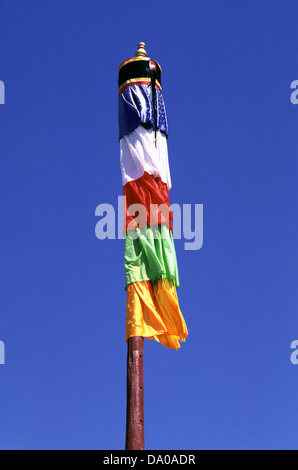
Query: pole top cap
[141, 52]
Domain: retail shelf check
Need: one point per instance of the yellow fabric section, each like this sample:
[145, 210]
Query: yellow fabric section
[153, 312]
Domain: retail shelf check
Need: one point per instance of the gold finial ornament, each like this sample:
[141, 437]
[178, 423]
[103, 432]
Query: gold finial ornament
[141, 52]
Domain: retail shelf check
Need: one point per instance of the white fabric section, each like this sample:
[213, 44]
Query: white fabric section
[138, 154]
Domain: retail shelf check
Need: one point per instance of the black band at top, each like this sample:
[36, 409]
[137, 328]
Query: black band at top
[137, 69]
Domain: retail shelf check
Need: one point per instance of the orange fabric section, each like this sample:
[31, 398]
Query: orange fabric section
[153, 312]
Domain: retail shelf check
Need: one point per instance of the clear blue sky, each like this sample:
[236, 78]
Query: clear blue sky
[233, 146]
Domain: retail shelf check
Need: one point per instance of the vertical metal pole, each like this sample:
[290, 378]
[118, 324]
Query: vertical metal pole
[135, 395]
[135, 382]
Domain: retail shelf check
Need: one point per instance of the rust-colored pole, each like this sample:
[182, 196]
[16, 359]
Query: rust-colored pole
[135, 381]
[135, 395]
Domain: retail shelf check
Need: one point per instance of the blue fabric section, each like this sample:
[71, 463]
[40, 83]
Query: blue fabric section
[135, 107]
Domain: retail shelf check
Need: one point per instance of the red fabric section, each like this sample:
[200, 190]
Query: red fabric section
[147, 191]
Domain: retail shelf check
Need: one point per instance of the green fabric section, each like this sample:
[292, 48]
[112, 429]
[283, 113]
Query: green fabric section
[150, 255]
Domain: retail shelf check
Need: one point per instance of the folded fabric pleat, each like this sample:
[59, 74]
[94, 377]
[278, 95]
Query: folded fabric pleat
[153, 312]
[150, 255]
[140, 153]
[153, 197]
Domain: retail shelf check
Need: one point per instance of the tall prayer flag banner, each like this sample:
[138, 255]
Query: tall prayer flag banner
[151, 270]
